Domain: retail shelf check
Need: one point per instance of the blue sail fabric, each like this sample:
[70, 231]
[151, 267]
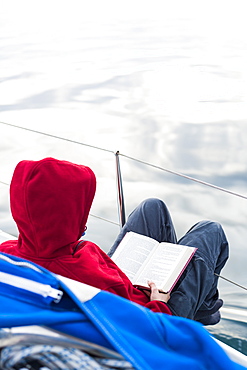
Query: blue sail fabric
[147, 340]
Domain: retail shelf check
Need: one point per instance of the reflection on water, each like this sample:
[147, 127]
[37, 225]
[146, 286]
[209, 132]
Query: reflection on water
[232, 333]
[161, 86]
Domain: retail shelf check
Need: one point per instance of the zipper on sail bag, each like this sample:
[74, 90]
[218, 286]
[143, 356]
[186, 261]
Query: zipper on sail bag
[44, 290]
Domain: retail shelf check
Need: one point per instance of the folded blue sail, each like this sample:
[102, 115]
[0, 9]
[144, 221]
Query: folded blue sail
[31, 295]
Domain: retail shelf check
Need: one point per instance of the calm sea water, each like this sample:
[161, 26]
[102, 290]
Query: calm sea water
[164, 83]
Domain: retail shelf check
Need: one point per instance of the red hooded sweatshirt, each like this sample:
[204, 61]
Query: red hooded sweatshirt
[50, 202]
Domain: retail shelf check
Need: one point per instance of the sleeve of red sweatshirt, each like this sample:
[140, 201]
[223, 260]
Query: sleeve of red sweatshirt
[137, 296]
[158, 306]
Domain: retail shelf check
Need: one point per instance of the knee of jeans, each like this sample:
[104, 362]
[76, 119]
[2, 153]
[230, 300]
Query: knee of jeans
[211, 225]
[213, 228]
[152, 203]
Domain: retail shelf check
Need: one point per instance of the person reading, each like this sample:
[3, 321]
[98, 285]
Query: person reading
[142, 258]
[50, 202]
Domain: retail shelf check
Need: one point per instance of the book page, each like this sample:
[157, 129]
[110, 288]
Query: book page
[132, 253]
[165, 261]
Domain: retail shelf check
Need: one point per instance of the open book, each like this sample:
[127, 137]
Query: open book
[142, 258]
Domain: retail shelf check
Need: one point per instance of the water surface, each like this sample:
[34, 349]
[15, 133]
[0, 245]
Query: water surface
[161, 82]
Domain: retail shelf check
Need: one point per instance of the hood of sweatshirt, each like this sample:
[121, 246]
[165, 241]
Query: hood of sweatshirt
[50, 202]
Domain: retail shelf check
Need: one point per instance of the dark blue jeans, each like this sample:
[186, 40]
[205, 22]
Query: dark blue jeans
[195, 296]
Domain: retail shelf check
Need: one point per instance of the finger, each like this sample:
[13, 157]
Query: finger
[152, 286]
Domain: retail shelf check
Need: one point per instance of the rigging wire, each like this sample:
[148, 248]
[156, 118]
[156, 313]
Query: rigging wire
[57, 137]
[120, 180]
[104, 219]
[4, 183]
[132, 158]
[230, 281]
[101, 218]
[185, 176]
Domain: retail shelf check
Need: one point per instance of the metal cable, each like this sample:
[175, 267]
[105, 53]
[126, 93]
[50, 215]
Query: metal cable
[185, 176]
[140, 161]
[4, 183]
[132, 158]
[230, 281]
[57, 137]
[101, 218]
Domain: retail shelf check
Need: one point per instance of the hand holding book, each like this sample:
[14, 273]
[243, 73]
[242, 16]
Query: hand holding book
[156, 295]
